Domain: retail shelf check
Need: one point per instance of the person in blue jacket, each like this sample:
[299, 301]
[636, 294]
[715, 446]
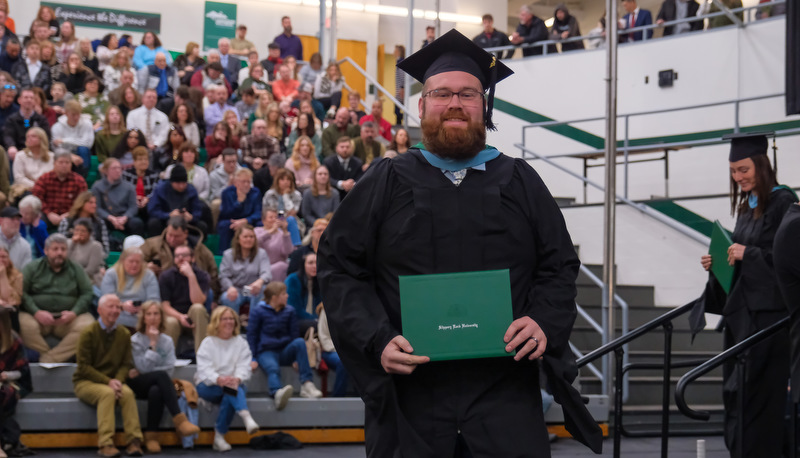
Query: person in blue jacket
[241, 205]
[175, 197]
[304, 295]
[32, 227]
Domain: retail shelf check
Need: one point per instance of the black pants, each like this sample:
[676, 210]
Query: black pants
[159, 391]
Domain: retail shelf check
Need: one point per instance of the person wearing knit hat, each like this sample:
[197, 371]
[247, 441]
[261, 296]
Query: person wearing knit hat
[176, 197]
[452, 205]
[754, 301]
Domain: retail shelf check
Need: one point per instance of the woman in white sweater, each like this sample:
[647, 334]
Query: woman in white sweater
[223, 366]
[34, 161]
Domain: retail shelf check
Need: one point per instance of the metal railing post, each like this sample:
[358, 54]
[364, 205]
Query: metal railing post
[736, 117]
[665, 389]
[741, 367]
[618, 401]
[627, 144]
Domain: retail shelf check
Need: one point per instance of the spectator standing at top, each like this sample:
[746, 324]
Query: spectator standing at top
[290, 44]
[530, 30]
[565, 26]
[153, 123]
[430, 35]
[491, 38]
[376, 117]
[239, 45]
[679, 9]
[636, 17]
[145, 54]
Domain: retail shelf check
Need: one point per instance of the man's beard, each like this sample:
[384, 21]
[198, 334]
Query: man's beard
[453, 142]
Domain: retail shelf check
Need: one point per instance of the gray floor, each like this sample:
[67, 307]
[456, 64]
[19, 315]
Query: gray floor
[680, 447]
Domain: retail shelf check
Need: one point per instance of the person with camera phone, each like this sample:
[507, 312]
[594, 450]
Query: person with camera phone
[183, 294]
[132, 283]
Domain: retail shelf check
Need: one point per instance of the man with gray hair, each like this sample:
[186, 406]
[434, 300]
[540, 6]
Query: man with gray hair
[215, 111]
[530, 30]
[230, 64]
[159, 76]
[56, 296]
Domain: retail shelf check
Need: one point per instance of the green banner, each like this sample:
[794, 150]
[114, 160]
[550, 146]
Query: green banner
[220, 22]
[106, 18]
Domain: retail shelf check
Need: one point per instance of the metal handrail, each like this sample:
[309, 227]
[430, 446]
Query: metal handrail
[380, 88]
[544, 44]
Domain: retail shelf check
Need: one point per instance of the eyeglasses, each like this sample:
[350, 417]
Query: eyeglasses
[441, 97]
[10, 86]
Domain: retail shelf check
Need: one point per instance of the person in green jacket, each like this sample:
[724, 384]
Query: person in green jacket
[56, 295]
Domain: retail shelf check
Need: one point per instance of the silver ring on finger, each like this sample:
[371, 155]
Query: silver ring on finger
[535, 340]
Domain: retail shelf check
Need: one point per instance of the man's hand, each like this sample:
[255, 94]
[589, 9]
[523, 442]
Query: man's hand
[176, 212]
[128, 306]
[54, 218]
[397, 358]
[237, 223]
[12, 152]
[186, 270]
[77, 160]
[66, 317]
[44, 318]
[525, 331]
[141, 201]
[133, 373]
[116, 385]
[184, 320]
[57, 141]
[258, 163]
[154, 268]
[253, 365]
[347, 185]
[187, 215]
[659, 21]
[232, 293]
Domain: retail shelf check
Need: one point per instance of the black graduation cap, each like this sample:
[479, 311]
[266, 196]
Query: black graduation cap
[455, 52]
[748, 144]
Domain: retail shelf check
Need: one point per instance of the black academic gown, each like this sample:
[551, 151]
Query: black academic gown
[787, 269]
[754, 303]
[404, 217]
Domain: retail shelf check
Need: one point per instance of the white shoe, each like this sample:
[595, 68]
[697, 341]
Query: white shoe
[249, 423]
[220, 444]
[308, 390]
[282, 396]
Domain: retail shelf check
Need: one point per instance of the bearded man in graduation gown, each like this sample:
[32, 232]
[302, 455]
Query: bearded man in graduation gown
[453, 204]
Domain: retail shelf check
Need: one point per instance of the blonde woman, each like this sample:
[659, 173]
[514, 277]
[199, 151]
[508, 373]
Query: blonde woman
[275, 125]
[112, 75]
[133, 283]
[223, 366]
[328, 87]
[303, 162]
[10, 281]
[34, 161]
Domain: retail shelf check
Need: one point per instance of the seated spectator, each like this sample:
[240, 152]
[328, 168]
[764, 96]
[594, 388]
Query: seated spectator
[34, 161]
[219, 138]
[114, 73]
[321, 198]
[183, 294]
[104, 361]
[220, 178]
[244, 271]
[87, 55]
[86, 251]
[273, 60]
[183, 116]
[31, 71]
[330, 356]
[151, 376]
[285, 88]
[223, 366]
[130, 99]
[256, 81]
[259, 146]
[209, 78]
[93, 102]
[106, 51]
[16, 383]
[58, 189]
[167, 154]
[384, 128]
[32, 228]
[47, 52]
[143, 179]
[188, 156]
[305, 127]
[72, 73]
[261, 110]
[302, 163]
[158, 249]
[11, 55]
[74, 133]
[218, 105]
[58, 94]
[275, 239]
[41, 107]
[116, 200]
[123, 152]
[188, 62]
[19, 250]
[340, 127]
[134, 284]
[111, 135]
[145, 54]
[240, 206]
[18, 123]
[262, 178]
[274, 342]
[150, 121]
[175, 197]
[344, 168]
[248, 104]
[85, 207]
[400, 143]
[315, 107]
[304, 295]
[354, 105]
[328, 88]
[366, 147]
[230, 63]
[310, 71]
[68, 42]
[159, 76]
[565, 26]
[286, 199]
[638, 17]
[56, 298]
[231, 118]
[7, 97]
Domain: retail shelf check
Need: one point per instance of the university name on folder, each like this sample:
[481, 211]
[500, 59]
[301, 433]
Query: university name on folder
[720, 242]
[458, 315]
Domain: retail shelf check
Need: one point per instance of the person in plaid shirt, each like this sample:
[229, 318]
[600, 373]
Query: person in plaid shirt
[58, 188]
[258, 147]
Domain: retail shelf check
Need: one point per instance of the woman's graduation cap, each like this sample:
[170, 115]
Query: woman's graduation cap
[455, 52]
[748, 144]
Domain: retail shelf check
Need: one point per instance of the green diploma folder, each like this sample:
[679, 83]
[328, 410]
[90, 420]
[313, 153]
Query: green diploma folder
[458, 315]
[720, 242]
